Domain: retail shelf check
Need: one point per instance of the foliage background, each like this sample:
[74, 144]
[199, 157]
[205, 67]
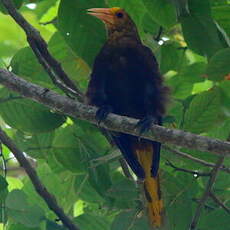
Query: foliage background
[71, 156]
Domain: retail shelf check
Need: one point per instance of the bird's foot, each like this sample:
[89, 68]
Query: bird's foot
[102, 113]
[144, 124]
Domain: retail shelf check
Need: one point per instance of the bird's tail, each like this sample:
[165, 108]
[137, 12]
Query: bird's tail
[145, 155]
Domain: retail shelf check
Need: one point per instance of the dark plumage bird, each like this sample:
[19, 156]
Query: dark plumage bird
[125, 80]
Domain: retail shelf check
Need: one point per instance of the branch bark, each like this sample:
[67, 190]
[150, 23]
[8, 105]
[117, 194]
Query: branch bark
[40, 188]
[113, 122]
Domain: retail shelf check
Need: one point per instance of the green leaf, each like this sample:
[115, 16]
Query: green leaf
[94, 144]
[43, 6]
[83, 33]
[181, 7]
[12, 37]
[14, 183]
[203, 111]
[25, 64]
[3, 193]
[16, 200]
[172, 57]
[28, 116]
[17, 4]
[214, 220]
[124, 194]
[225, 86]
[162, 11]
[176, 111]
[124, 190]
[89, 222]
[58, 184]
[222, 131]
[148, 24]
[37, 145]
[198, 28]
[20, 227]
[129, 220]
[3, 183]
[179, 189]
[180, 87]
[221, 15]
[19, 210]
[218, 66]
[222, 183]
[50, 225]
[69, 151]
[194, 73]
[200, 87]
[74, 66]
[85, 191]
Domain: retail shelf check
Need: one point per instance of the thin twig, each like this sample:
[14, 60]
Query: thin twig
[158, 37]
[4, 169]
[195, 159]
[52, 21]
[40, 188]
[195, 173]
[206, 194]
[125, 168]
[115, 155]
[219, 202]
[113, 122]
[39, 46]
[206, 206]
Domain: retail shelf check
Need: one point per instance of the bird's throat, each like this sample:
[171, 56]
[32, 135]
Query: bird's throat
[122, 37]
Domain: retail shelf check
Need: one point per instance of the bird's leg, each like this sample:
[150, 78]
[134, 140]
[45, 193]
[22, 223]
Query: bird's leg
[102, 113]
[144, 124]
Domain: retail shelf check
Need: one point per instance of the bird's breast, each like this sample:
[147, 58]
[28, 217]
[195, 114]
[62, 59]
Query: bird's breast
[125, 90]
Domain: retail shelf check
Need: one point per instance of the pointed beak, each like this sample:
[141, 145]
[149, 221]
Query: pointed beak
[103, 14]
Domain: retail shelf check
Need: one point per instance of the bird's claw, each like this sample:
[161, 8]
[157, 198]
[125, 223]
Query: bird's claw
[144, 124]
[102, 113]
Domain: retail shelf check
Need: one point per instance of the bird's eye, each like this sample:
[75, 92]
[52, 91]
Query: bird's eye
[119, 15]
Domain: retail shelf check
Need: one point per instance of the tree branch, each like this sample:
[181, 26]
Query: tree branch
[40, 188]
[206, 194]
[39, 46]
[113, 122]
[197, 173]
[195, 159]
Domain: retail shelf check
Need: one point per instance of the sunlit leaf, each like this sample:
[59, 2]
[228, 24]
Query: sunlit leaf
[28, 116]
[21, 212]
[218, 66]
[83, 33]
[162, 11]
[199, 23]
[203, 111]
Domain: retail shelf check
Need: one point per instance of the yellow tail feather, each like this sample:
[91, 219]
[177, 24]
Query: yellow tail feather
[145, 154]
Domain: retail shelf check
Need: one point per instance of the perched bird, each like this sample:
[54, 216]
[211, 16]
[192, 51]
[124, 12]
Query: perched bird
[125, 80]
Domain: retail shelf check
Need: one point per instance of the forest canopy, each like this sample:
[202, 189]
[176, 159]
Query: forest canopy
[73, 159]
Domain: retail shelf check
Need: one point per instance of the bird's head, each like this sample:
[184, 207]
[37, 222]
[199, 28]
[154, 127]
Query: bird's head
[116, 20]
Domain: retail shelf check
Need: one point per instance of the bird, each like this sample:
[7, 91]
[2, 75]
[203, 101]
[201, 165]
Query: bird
[126, 80]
